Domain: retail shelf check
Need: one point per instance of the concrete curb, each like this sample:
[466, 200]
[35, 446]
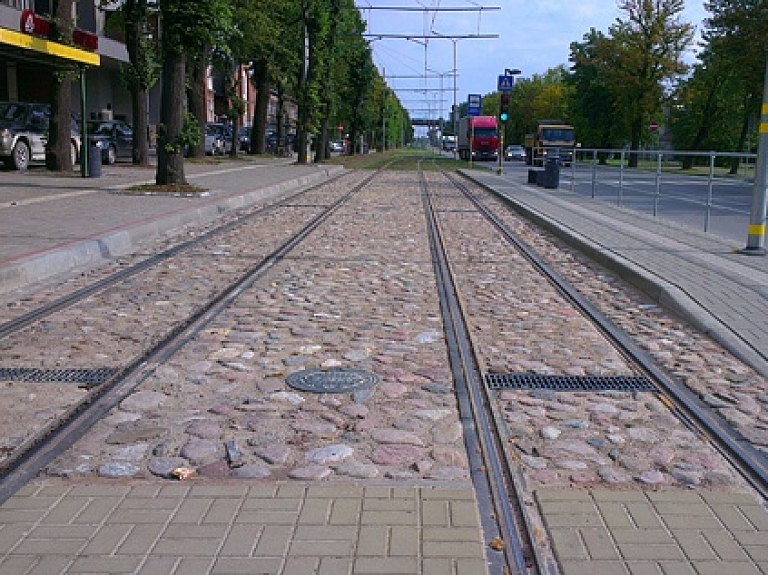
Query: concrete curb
[95, 251]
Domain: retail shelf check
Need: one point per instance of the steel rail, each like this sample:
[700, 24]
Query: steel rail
[17, 324]
[490, 477]
[692, 411]
[61, 434]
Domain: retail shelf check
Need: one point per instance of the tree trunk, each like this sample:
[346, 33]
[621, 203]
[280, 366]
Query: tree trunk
[170, 157]
[196, 99]
[259, 128]
[58, 151]
[134, 10]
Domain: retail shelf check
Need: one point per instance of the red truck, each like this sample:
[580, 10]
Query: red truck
[481, 134]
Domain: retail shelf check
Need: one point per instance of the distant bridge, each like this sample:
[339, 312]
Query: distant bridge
[425, 122]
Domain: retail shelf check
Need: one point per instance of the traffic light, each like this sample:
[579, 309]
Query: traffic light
[504, 108]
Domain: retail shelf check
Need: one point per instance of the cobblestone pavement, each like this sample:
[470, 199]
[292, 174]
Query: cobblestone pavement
[360, 293]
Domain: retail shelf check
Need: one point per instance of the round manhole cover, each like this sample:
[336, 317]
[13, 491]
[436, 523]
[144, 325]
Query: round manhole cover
[332, 380]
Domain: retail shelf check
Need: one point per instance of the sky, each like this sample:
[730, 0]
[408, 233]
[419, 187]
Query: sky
[533, 36]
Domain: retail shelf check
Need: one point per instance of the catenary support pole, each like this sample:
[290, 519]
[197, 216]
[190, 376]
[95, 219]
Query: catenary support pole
[756, 230]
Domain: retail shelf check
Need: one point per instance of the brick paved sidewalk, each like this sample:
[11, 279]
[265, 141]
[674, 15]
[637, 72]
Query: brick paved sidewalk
[287, 529]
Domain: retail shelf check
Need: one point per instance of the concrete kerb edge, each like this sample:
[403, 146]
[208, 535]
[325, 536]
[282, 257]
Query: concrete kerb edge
[90, 253]
[667, 295]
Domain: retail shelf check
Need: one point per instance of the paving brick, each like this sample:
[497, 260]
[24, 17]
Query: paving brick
[165, 503]
[694, 510]
[141, 539]
[561, 507]
[435, 513]
[561, 495]
[694, 546]
[65, 510]
[674, 522]
[451, 534]
[723, 498]
[186, 547]
[107, 539]
[217, 491]
[599, 544]
[642, 536]
[273, 540]
[649, 552]
[438, 566]
[729, 568]
[447, 493]
[345, 512]
[222, 511]
[454, 549]
[30, 546]
[315, 512]
[667, 568]
[643, 515]
[463, 513]
[373, 541]
[272, 504]
[610, 495]
[568, 545]
[241, 540]
[321, 548]
[334, 492]
[559, 521]
[191, 511]
[245, 566]
[29, 503]
[139, 516]
[378, 492]
[173, 491]
[389, 518]
[404, 541]
[732, 518]
[17, 564]
[386, 566]
[80, 532]
[394, 504]
[725, 547]
[180, 531]
[335, 566]
[90, 490]
[10, 535]
[757, 553]
[96, 511]
[104, 564]
[757, 515]
[51, 565]
[21, 517]
[664, 499]
[592, 568]
[260, 517]
[156, 565]
[300, 566]
[324, 533]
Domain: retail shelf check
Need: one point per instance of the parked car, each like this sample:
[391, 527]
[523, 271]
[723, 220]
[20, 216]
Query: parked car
[337, 146]
[24, 133]
[115, 138]
[244, 135]
[214, 139]
[514, 153]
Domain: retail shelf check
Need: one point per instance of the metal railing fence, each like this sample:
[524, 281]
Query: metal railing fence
[665, 176]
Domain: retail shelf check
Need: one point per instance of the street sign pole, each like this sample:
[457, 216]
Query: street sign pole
[756, 230]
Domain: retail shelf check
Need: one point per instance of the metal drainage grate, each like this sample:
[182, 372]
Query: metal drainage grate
[568, 382]
[82, 377]
[332, 380]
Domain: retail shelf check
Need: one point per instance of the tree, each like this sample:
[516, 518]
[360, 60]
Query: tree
[594, 111]
[141, 74]
[642, 53]
[58, 152]
[188, 26]
[737, 33]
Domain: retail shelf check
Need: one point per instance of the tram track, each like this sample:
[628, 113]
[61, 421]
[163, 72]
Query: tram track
[58, 435]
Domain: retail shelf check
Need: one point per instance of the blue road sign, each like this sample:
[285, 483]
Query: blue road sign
[506, 83]
[474, 104]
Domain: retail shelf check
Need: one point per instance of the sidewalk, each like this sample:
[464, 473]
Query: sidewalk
[53, 224]
[699, 276]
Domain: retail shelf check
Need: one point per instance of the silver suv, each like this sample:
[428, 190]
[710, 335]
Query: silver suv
[24, 131]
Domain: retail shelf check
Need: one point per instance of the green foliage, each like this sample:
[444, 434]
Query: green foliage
[190, 136]
[193, 25]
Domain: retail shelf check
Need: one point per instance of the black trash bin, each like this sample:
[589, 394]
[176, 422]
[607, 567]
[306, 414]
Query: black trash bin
[94, 158]
[552, 173]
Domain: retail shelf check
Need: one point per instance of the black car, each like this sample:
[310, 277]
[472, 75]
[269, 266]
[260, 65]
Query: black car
[244, 135]
[114, 137]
